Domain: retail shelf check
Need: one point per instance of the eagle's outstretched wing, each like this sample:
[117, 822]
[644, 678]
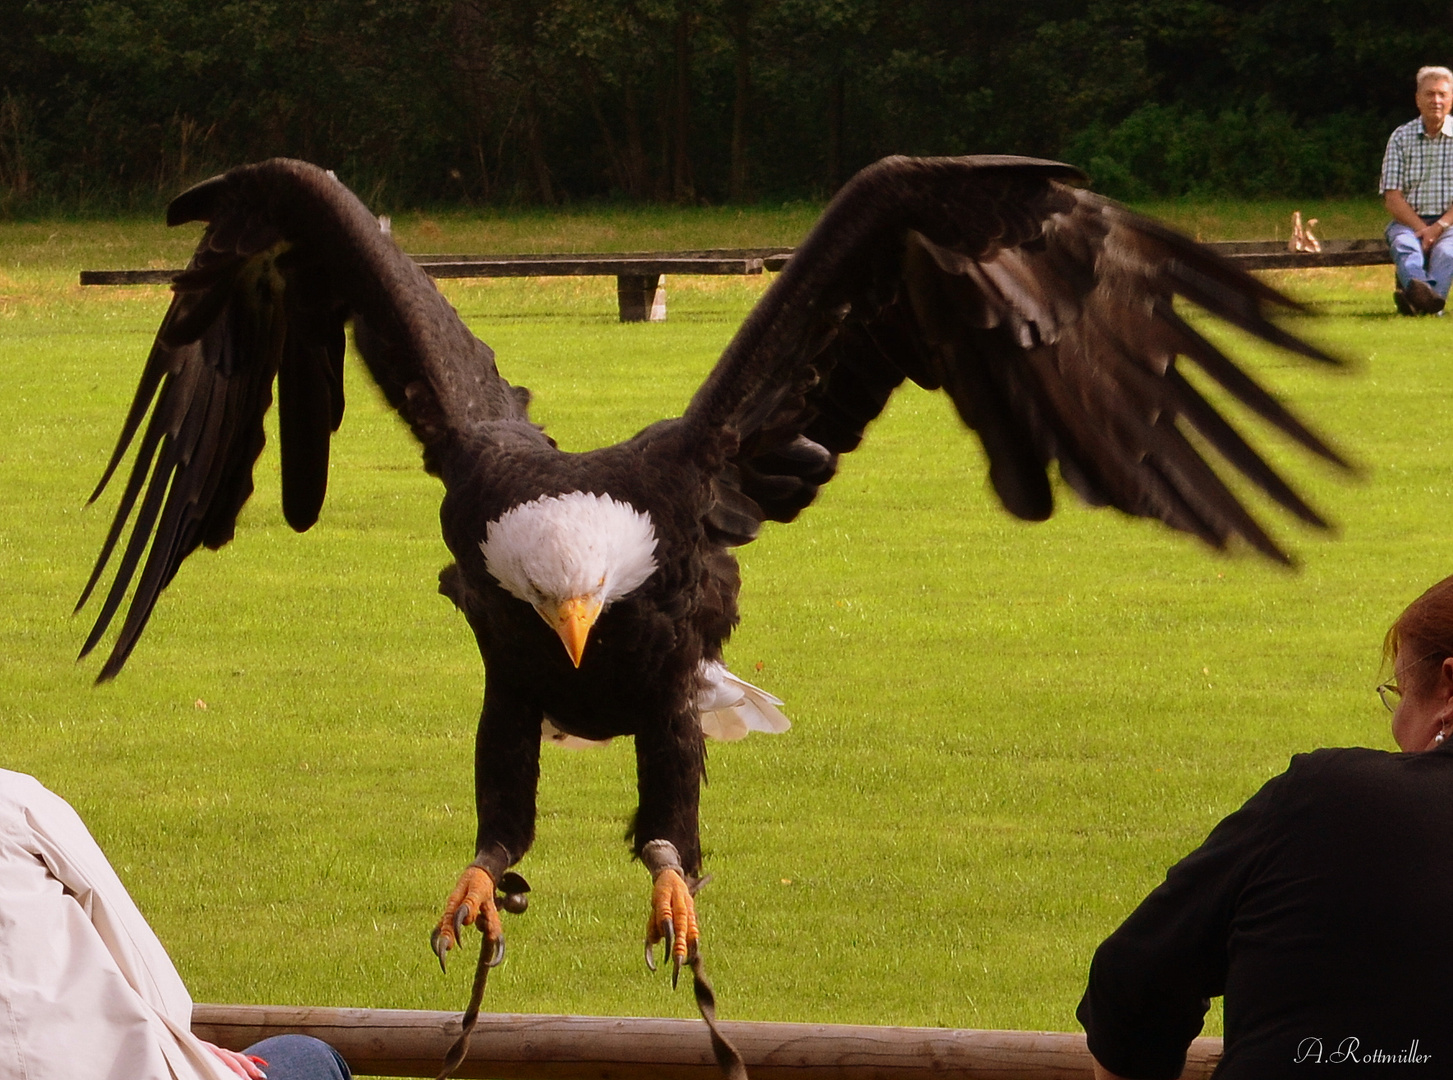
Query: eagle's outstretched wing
[1045, 312]
[288, 257]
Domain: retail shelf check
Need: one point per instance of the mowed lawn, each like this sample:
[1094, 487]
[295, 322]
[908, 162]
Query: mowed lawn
[1003, 733]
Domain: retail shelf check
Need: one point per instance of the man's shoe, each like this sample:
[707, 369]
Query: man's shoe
[1400, 301]
[1423, 299]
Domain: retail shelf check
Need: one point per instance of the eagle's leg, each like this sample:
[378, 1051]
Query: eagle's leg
[506, 774]
[670, 759]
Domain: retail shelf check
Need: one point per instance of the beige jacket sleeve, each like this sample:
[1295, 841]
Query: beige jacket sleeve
[86, 989]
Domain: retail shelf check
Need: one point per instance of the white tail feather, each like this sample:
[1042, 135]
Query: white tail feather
[730, 708]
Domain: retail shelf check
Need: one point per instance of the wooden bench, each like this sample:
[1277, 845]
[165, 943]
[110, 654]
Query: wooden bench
[640, 275]
[640, 284]
[1273, 254]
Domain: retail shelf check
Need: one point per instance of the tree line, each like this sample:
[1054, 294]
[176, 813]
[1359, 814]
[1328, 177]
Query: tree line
[110, 104]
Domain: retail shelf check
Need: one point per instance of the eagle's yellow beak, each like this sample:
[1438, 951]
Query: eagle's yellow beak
[572, 620]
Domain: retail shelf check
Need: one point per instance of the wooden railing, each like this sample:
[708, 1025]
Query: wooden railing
[396, 1042]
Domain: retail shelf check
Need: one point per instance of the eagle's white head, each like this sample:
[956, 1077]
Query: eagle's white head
[570, 557]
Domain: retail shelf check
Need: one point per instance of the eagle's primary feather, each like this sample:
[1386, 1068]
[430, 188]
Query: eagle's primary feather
[1045, 313]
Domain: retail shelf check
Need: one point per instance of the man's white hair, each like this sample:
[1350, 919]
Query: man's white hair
[1432, 72]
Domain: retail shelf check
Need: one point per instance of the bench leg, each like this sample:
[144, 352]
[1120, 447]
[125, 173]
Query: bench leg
[642, 297]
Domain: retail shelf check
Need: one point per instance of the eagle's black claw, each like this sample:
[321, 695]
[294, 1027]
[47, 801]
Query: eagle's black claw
[460, 914]
[668, 930]
[675, 970]
[499, 954]
[440, 944]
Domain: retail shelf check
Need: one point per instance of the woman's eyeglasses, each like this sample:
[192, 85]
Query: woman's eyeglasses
[1391, 694]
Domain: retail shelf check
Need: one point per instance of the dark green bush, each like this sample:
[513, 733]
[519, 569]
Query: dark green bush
[1169, 150]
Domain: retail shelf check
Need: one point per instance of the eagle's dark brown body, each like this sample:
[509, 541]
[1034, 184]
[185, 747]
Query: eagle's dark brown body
[638, 676]
[1043, 311]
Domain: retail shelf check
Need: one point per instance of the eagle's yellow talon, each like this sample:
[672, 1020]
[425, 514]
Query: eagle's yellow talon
[673, 921]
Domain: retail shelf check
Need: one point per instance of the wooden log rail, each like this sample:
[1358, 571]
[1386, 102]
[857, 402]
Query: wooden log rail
[640, 275]
[398, 1042]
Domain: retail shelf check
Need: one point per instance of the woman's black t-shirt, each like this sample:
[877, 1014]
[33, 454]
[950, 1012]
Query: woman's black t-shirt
[1322, 910]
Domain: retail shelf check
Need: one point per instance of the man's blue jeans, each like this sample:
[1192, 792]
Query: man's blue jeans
[1408, 261]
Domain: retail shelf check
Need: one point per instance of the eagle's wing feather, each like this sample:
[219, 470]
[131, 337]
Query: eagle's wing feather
[288, 257]
[1045, 313]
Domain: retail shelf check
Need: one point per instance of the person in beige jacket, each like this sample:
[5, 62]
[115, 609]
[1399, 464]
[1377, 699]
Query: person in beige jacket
[86, 989]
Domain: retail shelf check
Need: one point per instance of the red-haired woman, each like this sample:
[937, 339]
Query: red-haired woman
[1319, 909]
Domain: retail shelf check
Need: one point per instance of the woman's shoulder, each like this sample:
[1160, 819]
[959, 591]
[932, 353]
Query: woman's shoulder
[1342, 761]
[1345, 771]
[1344, 757]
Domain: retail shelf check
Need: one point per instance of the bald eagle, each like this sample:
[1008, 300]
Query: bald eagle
[601, 586]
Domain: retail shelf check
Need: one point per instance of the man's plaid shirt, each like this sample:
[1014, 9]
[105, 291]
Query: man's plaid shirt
[1420, 167]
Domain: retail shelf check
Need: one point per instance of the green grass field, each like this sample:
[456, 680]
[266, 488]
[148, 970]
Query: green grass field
[1003, 733]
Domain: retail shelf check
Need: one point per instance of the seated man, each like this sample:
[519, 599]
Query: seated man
[86, 989]
[1417, 189]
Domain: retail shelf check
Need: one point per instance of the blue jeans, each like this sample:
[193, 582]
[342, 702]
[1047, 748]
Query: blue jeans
[1408, 261]
[300, 1057]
